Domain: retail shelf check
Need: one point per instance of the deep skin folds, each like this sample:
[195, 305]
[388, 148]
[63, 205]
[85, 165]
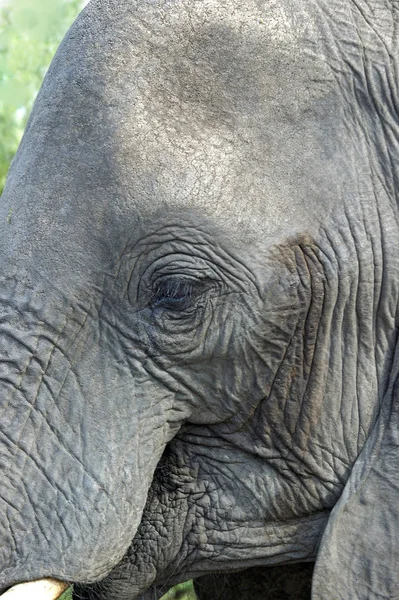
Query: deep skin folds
[198, 299]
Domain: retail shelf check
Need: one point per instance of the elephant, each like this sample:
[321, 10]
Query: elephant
[199, 299]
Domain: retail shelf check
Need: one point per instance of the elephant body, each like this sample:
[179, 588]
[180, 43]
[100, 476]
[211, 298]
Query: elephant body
[199, 301]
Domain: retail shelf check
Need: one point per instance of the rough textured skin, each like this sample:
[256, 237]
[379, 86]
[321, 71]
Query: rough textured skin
[199, 300]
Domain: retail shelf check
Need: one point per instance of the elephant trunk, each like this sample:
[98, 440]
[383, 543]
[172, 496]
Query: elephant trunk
[77, 455]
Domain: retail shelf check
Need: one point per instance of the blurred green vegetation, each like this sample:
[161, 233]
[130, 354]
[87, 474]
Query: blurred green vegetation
[183, 591]
[30, 32]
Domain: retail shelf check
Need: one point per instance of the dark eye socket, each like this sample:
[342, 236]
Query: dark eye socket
[174, 293]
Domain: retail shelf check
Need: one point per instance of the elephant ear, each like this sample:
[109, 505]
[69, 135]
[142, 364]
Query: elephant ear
[359, 551]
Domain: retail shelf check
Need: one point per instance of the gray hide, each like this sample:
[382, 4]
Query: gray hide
[198, 300]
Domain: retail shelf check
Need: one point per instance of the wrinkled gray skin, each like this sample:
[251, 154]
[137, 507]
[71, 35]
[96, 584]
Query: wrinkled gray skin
[198, 300]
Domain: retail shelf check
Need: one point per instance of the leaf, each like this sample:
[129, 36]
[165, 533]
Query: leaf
[183, 591]
[67, 595]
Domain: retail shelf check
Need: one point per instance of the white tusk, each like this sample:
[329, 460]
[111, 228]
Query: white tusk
[43, 589]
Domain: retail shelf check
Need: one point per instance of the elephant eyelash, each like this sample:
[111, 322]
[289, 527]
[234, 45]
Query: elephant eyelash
[174, 293]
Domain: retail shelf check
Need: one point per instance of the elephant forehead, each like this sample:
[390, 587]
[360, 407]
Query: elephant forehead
[224, 61]
[213, 104]
[200, 67]
[210, 105]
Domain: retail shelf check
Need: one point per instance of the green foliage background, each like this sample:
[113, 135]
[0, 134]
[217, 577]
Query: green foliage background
[30, 32]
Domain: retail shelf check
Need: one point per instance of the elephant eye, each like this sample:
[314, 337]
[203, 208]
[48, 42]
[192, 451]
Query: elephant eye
[174, 293]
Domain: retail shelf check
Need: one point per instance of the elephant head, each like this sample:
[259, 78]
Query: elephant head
[198, 300]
